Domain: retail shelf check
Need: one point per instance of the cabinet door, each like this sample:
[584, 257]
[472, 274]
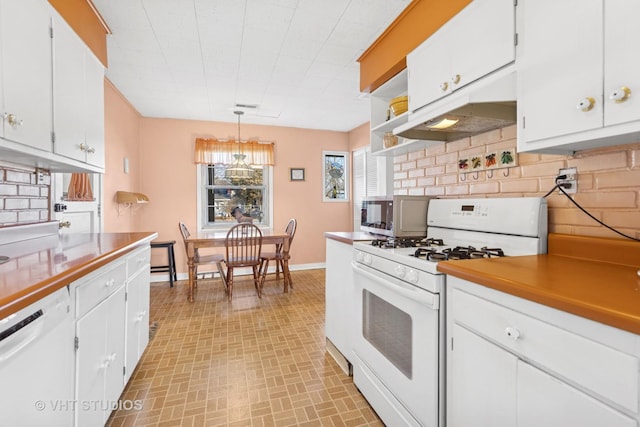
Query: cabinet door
[621, 66]
[481, 382]
[339, 296]
[560, 64]
[137, 334]
[25, 46]
[68, 90]
[482, 38]
[115, 328]
[475, 42]
[546, 401]
[94, 110]
[91, 364]
[100, 360]
[429, 69]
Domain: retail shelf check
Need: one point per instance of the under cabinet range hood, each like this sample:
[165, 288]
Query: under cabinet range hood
[486, 104]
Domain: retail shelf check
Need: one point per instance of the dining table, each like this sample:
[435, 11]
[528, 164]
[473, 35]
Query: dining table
[211, 239]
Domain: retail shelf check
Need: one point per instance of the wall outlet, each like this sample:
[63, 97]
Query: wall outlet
[572, 178]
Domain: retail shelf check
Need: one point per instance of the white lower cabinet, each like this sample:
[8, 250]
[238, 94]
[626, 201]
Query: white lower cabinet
[100, 360]
[339, 302]
[481, 384]
[544, 400]
[137, 307]
[112, 332]
[514, 362]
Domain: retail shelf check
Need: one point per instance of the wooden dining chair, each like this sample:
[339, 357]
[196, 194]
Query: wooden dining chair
[211, 259]
[244, 245]
[280, 257]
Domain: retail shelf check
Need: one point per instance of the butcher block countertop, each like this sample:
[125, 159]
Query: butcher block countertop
[38, 267]
[595, 278]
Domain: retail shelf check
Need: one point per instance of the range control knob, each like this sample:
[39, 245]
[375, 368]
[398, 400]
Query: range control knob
[399, 270]
[359, 256]
[367, 259]
[412, 276]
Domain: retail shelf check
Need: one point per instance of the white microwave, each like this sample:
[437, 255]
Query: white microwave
[395, 216]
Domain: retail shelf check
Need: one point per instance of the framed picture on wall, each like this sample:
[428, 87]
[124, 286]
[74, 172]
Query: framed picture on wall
[335, 176]
[296, 174]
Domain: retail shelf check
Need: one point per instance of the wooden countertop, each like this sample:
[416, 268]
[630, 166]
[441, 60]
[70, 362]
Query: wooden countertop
[579, 276]
[38, 267]
[350, 236]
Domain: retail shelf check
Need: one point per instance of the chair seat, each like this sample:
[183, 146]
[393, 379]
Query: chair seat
[241, 261]
[274, 255]
[209, 259]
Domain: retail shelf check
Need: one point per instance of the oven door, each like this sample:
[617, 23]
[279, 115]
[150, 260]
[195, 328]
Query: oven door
[396, 348]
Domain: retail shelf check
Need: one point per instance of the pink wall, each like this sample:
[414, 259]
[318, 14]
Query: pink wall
[122, 134]
[360, 137]
[168, 176]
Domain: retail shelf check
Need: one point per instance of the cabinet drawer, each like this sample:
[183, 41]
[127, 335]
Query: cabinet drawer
[588, 364]
[98, 286]
[138, 259]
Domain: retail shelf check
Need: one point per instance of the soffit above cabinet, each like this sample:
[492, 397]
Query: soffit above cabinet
[387, 55]
[85, 20]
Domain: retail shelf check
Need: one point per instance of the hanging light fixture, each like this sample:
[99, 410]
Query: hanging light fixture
[239, 169]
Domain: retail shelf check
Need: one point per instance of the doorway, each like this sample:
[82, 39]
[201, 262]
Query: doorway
[76, 216]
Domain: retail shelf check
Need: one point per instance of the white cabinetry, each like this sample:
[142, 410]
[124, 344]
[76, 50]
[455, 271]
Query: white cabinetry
[51, 92]
[475, 42]
[25, 48]
[78, 95]
[513, 362]
[578, 79]
[339, 302]
[100, 338]
[137, 308]
[112, 332]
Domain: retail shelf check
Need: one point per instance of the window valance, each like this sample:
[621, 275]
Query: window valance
[213, 151]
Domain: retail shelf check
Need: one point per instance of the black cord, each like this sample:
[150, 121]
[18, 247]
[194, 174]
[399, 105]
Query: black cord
[559, 187]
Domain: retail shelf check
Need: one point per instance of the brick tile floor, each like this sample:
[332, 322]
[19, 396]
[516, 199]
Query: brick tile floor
[251, 362]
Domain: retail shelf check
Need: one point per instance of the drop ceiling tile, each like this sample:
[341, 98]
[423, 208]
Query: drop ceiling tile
[197, 58]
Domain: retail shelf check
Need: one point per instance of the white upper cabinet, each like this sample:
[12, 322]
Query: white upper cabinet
[25, 47]
[51, 92]
[94, 110]
[68, 90]
[78, 97]
[475, 42]
[577, 77]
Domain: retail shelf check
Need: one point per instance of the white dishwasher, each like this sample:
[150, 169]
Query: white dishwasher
[36, 364]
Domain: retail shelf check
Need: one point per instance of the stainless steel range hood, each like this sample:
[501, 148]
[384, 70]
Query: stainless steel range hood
[486, 104]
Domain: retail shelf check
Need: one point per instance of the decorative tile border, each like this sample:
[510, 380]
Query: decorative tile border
[500, 159]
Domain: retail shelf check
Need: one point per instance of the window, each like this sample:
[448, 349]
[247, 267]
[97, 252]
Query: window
[372, 176]
[219, 195]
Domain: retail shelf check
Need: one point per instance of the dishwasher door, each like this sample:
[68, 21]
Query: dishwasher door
[36, 364]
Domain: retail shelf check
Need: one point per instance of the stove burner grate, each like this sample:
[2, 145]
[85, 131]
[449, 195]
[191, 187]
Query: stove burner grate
[459, 252]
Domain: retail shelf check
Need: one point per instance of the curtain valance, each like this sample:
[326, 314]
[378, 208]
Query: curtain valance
[212, 151]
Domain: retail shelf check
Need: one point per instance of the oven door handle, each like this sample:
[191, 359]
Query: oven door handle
[414, 293]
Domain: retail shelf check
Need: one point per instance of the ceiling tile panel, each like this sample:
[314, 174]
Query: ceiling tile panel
[194, 59]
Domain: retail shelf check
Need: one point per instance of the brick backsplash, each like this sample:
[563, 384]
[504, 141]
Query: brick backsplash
[608, 180]
[24, 195]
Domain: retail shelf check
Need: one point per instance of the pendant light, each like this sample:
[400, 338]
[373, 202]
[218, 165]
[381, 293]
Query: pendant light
[239, 169]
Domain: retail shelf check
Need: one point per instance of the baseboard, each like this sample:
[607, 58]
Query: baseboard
[342, 361]
[239, 272]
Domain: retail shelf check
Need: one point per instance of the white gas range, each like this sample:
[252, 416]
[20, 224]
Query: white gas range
[399, 299]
